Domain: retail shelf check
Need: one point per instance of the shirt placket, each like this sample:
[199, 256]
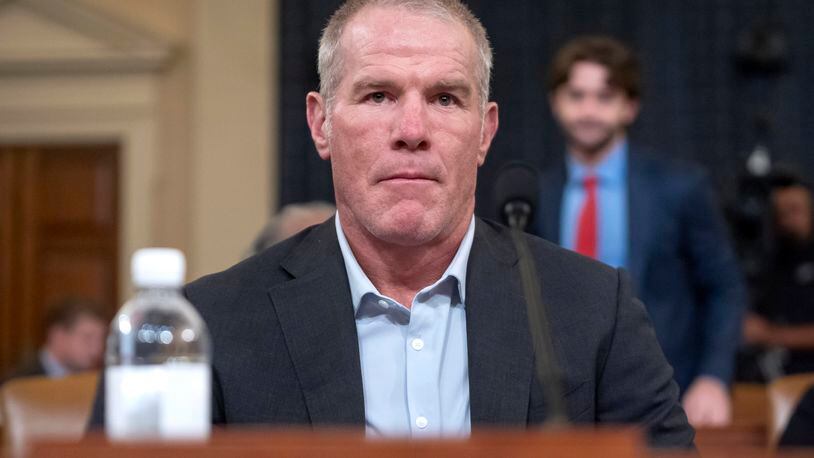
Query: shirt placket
[423, 354]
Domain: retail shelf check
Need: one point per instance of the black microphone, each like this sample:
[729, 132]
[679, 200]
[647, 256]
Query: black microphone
[516, 192]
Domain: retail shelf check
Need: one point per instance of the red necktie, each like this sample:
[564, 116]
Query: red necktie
[586, 227]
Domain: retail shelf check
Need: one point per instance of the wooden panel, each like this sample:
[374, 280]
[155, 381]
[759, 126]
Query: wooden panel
[59, 205]
[78, 186]
[28, 307]
[75, 273]
[7, 243]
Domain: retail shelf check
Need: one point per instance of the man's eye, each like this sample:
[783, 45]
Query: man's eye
[605, 97]
[445, 100]
[377, 97]
[575, 96]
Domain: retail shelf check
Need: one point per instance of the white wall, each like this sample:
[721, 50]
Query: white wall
[230, 131]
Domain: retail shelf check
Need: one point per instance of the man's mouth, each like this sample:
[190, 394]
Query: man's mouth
[406, 177]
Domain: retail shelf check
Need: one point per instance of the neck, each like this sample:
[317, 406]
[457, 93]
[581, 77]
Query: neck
[400, 271]
[591, 157]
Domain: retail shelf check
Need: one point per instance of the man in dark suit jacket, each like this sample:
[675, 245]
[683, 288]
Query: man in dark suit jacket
[656, 218]
[404, 313]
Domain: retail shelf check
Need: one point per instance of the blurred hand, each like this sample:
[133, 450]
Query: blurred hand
[707, 403]
[756, 330]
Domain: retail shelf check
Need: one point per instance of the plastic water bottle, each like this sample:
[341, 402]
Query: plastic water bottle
[157, 365]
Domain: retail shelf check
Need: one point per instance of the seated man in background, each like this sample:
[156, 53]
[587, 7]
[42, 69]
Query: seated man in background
[784, 313]
[75, 331]
[292, 218]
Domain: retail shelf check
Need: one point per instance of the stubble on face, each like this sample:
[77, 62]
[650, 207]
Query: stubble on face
[600, 135]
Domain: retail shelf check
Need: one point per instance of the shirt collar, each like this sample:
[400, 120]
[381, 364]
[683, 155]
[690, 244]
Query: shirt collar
[612, 169]
[53, 368]
[360, 284]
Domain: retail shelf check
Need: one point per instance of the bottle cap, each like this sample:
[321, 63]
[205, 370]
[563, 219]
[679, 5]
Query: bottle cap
[158, 268]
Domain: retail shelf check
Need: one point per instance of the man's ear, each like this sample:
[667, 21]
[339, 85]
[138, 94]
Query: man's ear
[490, 124]
[315, 111]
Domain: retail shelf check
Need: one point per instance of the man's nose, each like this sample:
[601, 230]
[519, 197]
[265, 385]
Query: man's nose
[410, 126]
[589, 105]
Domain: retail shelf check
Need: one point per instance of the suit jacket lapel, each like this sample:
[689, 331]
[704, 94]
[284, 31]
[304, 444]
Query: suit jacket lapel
[499, 346]
[316, 315]
[317, 319]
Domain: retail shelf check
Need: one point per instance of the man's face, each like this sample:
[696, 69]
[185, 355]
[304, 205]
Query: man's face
[592, 114]
[80, 346]
[407, 133]
[793, 210]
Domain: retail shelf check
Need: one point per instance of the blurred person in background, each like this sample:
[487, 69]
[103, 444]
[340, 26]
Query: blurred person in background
[657, 218]
[75, 331]
[291, 219]
[784, 309]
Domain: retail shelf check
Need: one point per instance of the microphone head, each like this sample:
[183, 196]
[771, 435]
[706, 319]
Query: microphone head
[517, 192]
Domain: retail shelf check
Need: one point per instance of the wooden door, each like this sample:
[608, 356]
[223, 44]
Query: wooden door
[58, 235]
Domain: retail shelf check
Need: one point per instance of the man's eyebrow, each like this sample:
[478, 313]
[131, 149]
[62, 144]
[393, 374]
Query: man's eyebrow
[368, 84]
[460, 87]
[457, 86]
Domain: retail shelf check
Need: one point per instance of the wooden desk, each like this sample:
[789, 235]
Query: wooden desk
[751, 435]
[335, 443]
[750, 404]
[604, 443]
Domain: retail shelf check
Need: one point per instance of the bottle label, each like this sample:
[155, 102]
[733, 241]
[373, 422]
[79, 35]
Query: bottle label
[162, 401]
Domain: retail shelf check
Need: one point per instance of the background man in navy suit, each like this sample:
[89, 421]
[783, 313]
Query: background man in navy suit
[656, 218]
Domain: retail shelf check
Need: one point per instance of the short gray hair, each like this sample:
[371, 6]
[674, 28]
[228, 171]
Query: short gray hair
[329, 63]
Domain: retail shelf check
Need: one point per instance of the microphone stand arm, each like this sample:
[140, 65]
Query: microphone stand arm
[546, 367]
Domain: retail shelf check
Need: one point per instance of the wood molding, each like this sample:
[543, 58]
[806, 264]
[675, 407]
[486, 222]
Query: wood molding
[112, 45]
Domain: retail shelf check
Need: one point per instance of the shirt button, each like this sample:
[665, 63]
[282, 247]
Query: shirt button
[417, 345]
[422, 422]
[383, 303]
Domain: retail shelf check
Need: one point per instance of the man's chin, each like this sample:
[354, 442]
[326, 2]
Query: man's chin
[404, 233]
[405, 224]
[592, 147]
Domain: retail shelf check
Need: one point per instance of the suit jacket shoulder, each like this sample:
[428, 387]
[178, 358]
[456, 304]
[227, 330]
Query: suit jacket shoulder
[286, 348]
[612, 368]
[666, 170]
[262, 270]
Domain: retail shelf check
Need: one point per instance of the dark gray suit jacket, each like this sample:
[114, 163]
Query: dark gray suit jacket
[286, 350]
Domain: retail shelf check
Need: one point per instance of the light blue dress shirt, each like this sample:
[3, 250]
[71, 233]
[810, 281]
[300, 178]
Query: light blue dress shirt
[415, 373]
[612, 205]
[52, 367]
